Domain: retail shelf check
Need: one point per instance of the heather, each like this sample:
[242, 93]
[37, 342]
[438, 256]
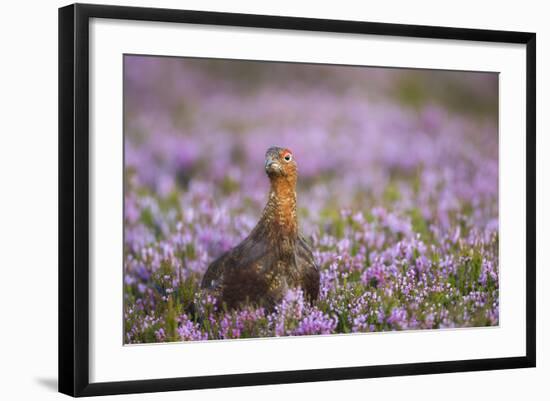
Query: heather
[397, 194]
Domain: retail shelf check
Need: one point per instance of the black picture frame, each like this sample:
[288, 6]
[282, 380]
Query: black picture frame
[74, 194]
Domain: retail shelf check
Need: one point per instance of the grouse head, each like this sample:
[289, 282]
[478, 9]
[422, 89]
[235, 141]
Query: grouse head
[280, 165]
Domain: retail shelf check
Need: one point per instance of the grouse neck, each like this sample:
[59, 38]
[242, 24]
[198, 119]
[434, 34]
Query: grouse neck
[281, 207]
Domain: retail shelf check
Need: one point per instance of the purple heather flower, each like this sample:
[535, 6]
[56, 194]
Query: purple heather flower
[398, 213]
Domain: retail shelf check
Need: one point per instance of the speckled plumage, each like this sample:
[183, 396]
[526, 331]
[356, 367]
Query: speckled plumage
[275, 256]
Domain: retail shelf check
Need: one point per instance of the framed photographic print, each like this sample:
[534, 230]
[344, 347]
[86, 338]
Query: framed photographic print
[251, 199]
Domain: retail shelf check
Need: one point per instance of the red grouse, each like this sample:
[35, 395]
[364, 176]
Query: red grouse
[274, 257]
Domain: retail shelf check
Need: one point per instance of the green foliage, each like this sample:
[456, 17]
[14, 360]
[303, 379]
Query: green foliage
[229, 185]
[391, 193]
[420, 225]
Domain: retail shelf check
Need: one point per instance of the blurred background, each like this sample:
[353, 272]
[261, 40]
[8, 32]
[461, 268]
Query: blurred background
[363, 137]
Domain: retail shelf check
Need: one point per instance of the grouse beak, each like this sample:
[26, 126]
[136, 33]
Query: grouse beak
[272, 166]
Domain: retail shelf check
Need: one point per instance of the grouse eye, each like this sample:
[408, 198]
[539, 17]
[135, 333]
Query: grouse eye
[288, 157]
